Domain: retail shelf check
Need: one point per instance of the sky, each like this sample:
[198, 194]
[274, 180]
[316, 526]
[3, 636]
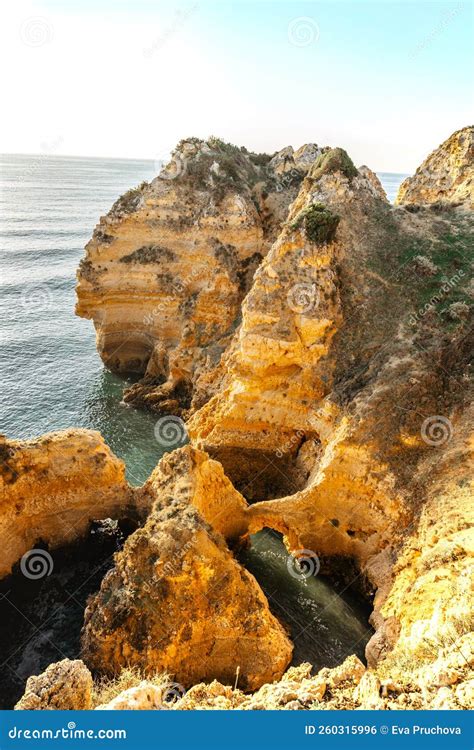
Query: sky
[387, 81]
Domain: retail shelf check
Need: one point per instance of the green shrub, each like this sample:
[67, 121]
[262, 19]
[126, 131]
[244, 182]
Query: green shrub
[320, 223]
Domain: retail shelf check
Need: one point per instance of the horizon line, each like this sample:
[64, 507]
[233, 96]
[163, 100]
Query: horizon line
[43, 155]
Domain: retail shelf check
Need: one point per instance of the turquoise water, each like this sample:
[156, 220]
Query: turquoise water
[325, 625]
[51, 376]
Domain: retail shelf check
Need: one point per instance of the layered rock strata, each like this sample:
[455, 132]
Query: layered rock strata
[51, 489]
[446, 175]
[340, 409]
[167, 268]
[349, 376]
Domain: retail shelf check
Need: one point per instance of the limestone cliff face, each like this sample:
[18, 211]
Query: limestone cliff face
[167, 268]
[335, 410]
[176, 600]
[446, 175]
[52, 487]
[430, 600]
[340, 402]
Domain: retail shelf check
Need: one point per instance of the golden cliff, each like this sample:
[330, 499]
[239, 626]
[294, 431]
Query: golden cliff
[166, 270]
[177, 601]
[349, 377]
[327, 397]
[52, 488]
[446, 175]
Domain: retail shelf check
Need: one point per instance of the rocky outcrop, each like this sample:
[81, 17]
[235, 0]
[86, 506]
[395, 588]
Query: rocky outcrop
[347, 381]
[446, 175]
[63, 686]
[51, 489]
[348, 686]
[427, 608]
[163, 607]
[167, 268]
[335, 412]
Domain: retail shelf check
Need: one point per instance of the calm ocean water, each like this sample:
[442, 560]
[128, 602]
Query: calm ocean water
[51, 376]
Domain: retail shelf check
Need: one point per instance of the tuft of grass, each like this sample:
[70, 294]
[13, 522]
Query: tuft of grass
[129, 201]
[106, 689]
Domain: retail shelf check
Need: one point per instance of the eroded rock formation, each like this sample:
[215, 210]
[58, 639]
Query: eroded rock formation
[167, 268]
[63, 686]
[53, 487]
[446, 175]
[336, 412]
[177, 600]
[349, 376]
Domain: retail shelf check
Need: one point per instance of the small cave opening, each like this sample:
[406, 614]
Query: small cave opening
[42, 603]
[261, 475]
[327, 620]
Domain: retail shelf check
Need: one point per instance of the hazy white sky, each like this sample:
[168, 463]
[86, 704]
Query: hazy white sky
[387, 81]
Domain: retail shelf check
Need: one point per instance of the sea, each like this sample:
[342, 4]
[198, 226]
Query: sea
[51, 376]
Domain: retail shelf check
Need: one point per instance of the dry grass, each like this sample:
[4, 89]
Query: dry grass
[106, 689]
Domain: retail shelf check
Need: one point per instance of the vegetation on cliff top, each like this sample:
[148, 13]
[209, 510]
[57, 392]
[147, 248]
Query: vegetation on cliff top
[129, 201]
[334, 160]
